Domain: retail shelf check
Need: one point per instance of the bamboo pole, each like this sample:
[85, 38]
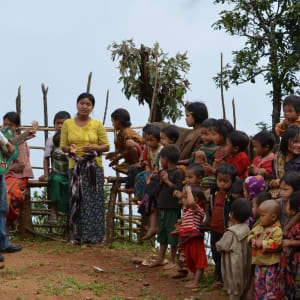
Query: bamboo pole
[18, 102]
[130, 221]
[88, 88]
[234, 114]
[45, 92]
[152, 108]
[106, 105]
[222, 88]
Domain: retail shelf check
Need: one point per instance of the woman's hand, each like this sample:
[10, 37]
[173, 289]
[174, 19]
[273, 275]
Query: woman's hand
[88, 148]
[73, 149]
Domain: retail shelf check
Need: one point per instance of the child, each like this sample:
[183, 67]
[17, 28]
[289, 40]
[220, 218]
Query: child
[263, 143]
[19, 171]
[190, 237]
[237, 189]
[219, 209]
[265, 240]
[236, 254]
[128, 143]
[287, 280]
[169, 208]
[291, 110]
[236, 143]
[58, 181]
[288, 157]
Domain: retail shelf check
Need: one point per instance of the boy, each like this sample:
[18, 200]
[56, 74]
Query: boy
[291, 111]
[58, 181]
[169, 209]
[236, 254]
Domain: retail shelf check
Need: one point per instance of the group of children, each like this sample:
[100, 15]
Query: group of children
[250, 209]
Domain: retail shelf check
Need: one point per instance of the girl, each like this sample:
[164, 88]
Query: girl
[287, 280]
[19, 171]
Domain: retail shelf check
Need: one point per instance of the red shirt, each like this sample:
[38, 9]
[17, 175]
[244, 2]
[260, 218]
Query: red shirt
[264, 162]
[192, 218]
[241, 162]
[217, 222]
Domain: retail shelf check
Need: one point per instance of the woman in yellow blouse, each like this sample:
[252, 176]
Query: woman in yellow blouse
[85, 139]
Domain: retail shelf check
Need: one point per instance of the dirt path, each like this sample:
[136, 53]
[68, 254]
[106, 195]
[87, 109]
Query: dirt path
[55, 270]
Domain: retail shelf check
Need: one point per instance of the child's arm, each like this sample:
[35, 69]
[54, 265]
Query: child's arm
[290, 243]
[225, 243]
[281, 127]
[273, 243]
[293, 221]
[184, 162]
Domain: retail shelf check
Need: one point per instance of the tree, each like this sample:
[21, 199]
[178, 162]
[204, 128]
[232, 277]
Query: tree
[149, 75]
[272, 48]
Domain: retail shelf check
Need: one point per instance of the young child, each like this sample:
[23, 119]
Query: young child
[236, 254]
[236, 143]
[19, 171]
[168, 206]
[128, 143]
[291, 111]
[219, 209]
[58, 180]
[237, 189]
[287, 280]
[265, 240]
[263, 143]
[191, 239]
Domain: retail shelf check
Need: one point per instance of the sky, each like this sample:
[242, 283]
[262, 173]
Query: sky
[59, 42]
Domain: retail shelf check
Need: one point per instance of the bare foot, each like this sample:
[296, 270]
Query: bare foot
[157, 263]
[151, 233]
[169, 266]
[192, 285]
[180, 274]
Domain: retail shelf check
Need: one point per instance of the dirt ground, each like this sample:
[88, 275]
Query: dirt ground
[57, 270]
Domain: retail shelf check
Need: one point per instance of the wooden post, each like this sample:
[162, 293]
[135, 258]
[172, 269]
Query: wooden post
[45, 92]
[106, 105]
[88, 88]
[153, 104]
[18, 102]
[222, 88]
[234, 114]
[130, 219]
[121, 211]
[25, 220]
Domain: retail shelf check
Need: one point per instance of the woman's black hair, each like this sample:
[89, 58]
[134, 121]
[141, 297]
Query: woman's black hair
[223, 127]
[292, 178]
[171, 152]
[294, 101]
[262, 197]
[239, 139]
[154, 131]
[197, 169]
[171, 132]
[288, 136]
[209, 123]
[265, 138]
[198, 192]
[241, 209]
[12, 117]
[122, 115]
[61, 115]
[88, 96]
[147, 127]
[198, 110]
[238, 187]
[294, 201]
[56, 139]
[227, 169]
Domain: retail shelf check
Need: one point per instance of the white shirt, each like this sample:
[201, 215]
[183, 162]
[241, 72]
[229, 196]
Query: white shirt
[3, 139]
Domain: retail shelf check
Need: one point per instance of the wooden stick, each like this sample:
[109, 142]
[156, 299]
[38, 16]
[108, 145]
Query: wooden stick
[234, 114]
[18, 102]
[130, 221]
[106, 105]
[45, 92]
[222, 88]
[88, 88]
[152, 115]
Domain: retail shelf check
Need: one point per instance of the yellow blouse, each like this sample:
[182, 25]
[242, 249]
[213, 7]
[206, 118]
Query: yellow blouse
[93, 133]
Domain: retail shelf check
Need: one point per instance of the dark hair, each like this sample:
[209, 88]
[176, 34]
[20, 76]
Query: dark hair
[295, 201]
[239, 139]
[197, 169]
[261, 197]
[294, 101]
[198, 192]
[223, 127]
[56, 139]
[88, 96]
[154, 131]
[289, 135]
[265, 138]
[238, 187]
[198, 110]
[241, 209]
[228, 170]
[171, 152]
[12, 117]
[61, 115]
[292, 178]
[122, 115]
[209, 123]
[147, 127]
[171, 132]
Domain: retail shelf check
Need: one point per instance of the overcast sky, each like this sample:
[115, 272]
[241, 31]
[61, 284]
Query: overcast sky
[59, 42]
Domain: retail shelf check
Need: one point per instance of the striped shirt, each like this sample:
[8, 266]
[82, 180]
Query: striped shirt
[192, 218]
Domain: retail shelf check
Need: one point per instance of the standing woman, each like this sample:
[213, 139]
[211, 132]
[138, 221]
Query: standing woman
[88, 136]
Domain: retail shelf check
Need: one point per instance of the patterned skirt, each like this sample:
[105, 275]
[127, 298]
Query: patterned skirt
[91, 222]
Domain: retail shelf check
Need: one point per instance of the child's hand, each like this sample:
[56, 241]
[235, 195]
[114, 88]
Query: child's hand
[253, 243]
[88, 148]
[73, 149]
[285, 243]
[259, 243]
[285, 124]
[252, 170]
[275, 183]
[43, 178]
[164, 176]
[110, 155]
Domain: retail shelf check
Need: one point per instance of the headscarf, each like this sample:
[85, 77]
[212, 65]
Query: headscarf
[255, 185]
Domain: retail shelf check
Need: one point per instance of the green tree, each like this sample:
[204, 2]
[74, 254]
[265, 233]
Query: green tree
[149, 74]
[272, 47]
